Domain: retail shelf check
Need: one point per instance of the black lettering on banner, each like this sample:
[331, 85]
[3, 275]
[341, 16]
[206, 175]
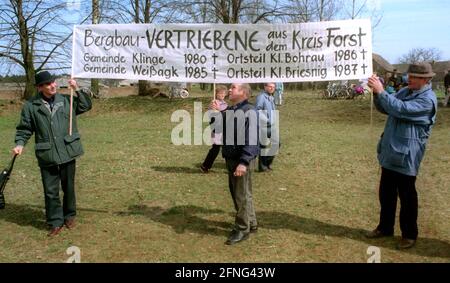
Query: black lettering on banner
[179, 32]
[233, 53]
[119, 69]
[275, 72]
[240, 40]
[277, 35]
[226, 39]
[110, 41]
[142, 58]
[295, 43]
[214, 56]
[276, 47]
[246, 73]
[194, 59]
[346, 69]
[214, 71]
[345, 40]
[168, 35]
[299, 42]
[346, 55]
[152, 71]
[190, 36]
[217, 41]
[300, 72]
[104, 59]
[240, 58]
[196, 72]
[206, 40]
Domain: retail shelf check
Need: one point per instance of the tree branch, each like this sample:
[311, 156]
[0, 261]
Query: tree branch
[12, 58]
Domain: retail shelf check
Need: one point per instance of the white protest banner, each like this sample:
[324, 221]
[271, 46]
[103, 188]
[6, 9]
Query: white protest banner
[222, 53]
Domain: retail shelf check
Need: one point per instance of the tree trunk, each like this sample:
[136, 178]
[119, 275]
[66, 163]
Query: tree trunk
[143, 85]
[27, 54]
[30, 88]
[136, 11]
[148, 4]
[236, 9]
[95, 19]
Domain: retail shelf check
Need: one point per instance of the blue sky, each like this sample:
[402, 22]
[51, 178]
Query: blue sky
[408, 24]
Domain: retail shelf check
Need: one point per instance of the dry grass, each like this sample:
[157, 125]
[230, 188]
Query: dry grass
[142, 199]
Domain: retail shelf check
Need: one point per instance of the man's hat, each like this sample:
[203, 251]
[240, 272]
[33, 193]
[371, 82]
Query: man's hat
[421, 70]
[43, 77]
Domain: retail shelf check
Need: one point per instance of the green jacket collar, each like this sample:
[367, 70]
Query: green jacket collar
[38, 102]
[38, 98]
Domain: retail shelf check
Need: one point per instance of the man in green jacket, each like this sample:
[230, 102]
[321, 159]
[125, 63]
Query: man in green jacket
[47, 116]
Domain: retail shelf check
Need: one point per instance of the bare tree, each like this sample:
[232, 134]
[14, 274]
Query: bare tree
[138, 11]
[299, 11]
[33, 37]
[229, 11]
[421, 55]
[95, 20]
[303, 11]
[355, 9]
[263, 11]
[327, 9]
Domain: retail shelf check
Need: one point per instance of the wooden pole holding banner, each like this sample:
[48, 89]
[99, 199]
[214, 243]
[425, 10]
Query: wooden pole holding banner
[71, 89]
[214, 90]
[371, 112]
[71, 110]
[71, 106]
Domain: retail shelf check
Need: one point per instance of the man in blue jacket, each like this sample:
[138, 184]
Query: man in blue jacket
[411, 115]
[278, 95]
[240, 148]
[265, 105]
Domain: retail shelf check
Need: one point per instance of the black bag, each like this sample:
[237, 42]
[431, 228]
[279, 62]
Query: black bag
[4, 177]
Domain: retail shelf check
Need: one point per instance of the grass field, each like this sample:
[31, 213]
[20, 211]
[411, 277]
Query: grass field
[142, 199]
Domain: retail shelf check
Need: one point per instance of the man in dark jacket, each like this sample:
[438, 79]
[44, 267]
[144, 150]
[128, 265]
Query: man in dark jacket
[47, 116]
[447, 87]
[240, 148]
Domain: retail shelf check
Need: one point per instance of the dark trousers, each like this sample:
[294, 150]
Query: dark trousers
[241, 193]
[265, 162]
[53, 178]
[211, 156]
[395, 184]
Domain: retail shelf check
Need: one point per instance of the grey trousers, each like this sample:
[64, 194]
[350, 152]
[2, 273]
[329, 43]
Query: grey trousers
[241, 193]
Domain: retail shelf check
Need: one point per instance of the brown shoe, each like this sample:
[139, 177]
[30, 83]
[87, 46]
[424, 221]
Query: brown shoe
[375, 234]
[406, 243]
[70, 223]
[55, 231]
